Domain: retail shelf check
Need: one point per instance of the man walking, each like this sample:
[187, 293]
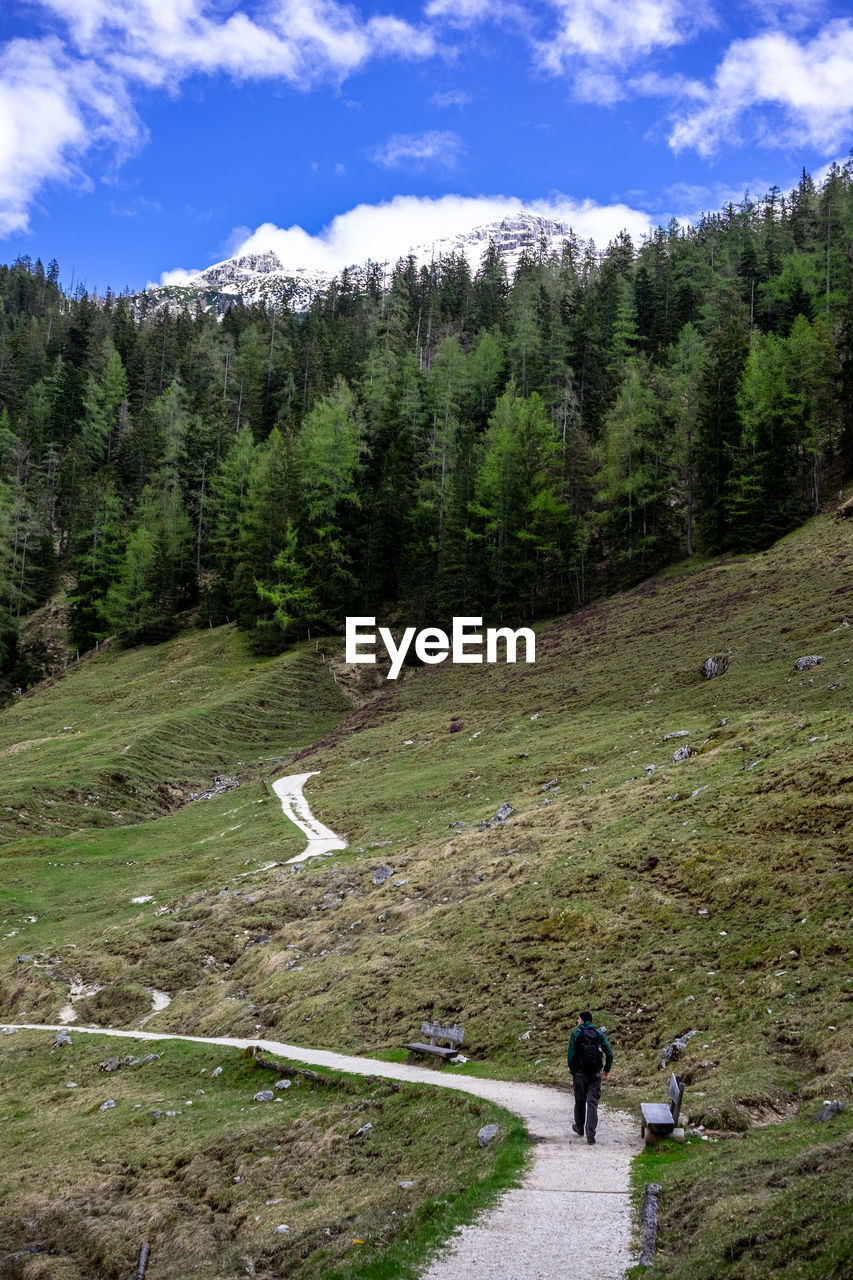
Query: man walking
[586, 1046]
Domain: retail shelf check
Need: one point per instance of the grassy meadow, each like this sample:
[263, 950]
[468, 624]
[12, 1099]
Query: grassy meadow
[711, 894]
[221, 1184]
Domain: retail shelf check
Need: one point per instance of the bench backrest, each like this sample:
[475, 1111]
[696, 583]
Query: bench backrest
[437, 1031]
[676, 1093]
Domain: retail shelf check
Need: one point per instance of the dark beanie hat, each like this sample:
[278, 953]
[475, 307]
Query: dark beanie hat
[585, 1015]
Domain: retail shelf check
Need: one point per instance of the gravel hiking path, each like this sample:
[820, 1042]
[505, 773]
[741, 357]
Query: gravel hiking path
[321, 840]
[574, 1199]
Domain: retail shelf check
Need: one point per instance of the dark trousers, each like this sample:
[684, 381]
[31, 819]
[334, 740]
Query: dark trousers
[587, 1092]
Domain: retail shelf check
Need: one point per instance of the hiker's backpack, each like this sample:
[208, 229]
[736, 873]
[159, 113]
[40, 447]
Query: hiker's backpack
[587, 1050]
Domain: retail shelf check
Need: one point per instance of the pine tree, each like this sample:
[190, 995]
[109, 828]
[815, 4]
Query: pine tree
[295, 604]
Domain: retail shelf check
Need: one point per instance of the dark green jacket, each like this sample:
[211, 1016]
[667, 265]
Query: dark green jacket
[608, 1052]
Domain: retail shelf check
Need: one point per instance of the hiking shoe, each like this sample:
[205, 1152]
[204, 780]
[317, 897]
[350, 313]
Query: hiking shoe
[576, 1129]
[590, 1140]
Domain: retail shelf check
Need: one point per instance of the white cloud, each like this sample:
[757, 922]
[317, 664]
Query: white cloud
[53, 110]
[414, 150]
[300, 41]
[388, 231]
[450, 98]
[809, 83]
[593, 37]
[60, 100]
[789, 15]
[178, 275]
[463, 13]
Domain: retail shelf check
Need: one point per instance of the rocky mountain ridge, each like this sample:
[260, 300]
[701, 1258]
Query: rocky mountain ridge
[262, 277]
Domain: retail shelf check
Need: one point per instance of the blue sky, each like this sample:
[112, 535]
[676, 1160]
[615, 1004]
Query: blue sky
[146, 136]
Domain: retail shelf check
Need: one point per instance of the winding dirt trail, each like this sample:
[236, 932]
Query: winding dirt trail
[321, 840]
[574, 1199]
[573, 1202]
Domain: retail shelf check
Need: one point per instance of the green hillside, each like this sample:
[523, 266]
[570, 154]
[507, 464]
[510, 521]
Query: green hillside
[711, 894]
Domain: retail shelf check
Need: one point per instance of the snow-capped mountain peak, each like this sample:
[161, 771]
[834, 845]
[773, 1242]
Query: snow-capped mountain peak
[262, 277]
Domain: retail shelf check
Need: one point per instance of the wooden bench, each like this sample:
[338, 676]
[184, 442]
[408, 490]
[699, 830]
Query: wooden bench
[660, 1119]
[440, 1054]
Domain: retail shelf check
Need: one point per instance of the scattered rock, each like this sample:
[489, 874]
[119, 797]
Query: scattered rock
[264, 1095]
[677, 1047]
[498, 817]
[10, 1031]
[487, 1134]
[62, 1037]
[677, 733]
[458, 1060]
[827, 1111]
[365, 1128]
[383, 873]
[217, 1071]
[221, 785]
[712, 667]
[105, 1106]
[809, 662]
[110, 1064]
[380, 844]
[548, 786]
[280, 1231]
[525, 1035]
[405, 1185]
[650, 768]
[282, 1084]
[141, 1062]
[682, 753]
[22, 959]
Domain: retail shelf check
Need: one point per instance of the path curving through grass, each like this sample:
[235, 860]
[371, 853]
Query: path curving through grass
[321, 840]
[574, 1200]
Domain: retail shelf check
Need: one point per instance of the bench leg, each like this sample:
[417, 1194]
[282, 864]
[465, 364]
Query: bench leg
[412, 1059]
[646, 1134]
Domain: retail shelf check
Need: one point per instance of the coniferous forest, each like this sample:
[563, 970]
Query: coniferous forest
[425, 442]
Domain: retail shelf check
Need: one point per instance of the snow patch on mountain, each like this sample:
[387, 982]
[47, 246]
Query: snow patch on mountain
[262, 277]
